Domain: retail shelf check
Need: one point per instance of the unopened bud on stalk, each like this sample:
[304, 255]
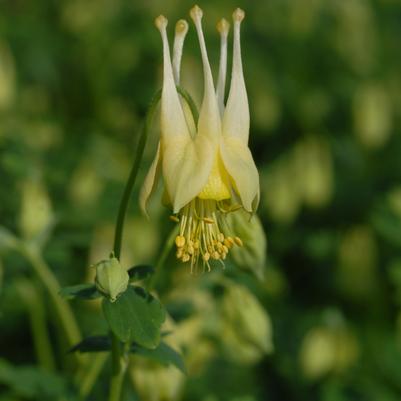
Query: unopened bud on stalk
[111, 278]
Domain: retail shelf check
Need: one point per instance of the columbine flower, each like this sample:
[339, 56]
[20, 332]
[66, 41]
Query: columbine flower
[207, 171]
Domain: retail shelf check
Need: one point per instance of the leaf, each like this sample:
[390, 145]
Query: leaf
[93, 344]
[163, 354]
[140, 272]
[33, 383]
[135, 316]
[82, 291]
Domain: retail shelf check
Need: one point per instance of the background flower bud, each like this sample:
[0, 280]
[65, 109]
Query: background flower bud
[36, 214]
[111, 278]
[327, 350]
[157, 383]
[248, 324]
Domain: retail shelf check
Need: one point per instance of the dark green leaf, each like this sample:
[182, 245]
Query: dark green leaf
[135, 316]
[163, 354]
[140, 272]
[82, 291]
[93, 344]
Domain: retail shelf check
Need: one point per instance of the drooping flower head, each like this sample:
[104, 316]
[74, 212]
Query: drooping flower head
[207, 169]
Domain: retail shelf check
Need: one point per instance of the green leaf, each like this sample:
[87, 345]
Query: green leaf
[93, 344]
[163, 354]
[82, 291]
[135, 316]
[140, 272]
[33, 383]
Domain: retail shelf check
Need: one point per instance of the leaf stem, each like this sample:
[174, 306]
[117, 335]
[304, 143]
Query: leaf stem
[33, 301]
[44, 273]
[88, 380]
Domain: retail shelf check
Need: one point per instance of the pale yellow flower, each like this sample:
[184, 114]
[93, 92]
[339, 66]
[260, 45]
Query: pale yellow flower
[208, 170]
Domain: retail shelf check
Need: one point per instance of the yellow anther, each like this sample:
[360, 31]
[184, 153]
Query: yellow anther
[215, 255]
[238, 15]
[197, 240]
[230, 240]
[227, 243]
[223, 26]
[161, 22]
[179, 241]
[238, 241]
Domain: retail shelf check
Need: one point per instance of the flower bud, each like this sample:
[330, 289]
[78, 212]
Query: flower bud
[111, 278]
[314, 160]
[36, 216]
[252, 255]
[327, 350]
[250, 324]
[157, 383]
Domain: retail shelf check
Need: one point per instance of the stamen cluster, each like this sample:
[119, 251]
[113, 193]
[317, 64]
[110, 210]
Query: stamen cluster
[204, 233]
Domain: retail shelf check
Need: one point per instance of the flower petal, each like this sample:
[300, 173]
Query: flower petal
[186, 169]
[236, 115]
[223, 27]
[181, 29]
[209, 124]
[151, 180]
[172, 119]
[238, 161]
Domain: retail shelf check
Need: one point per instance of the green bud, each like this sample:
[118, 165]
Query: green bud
[155, 382]
[327, 350]
[252, 255]
[36, 215]
[251, 328]
[111, 278]
[314, 160]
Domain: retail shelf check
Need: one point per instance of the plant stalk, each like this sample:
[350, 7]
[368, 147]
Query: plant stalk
[118, 351]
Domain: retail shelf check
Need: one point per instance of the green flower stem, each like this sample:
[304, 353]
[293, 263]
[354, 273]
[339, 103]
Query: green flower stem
[88, 380]
[37, 316]
[119, 364]
[122, 211]
[119, 358]
[46, 276]
[151, 282]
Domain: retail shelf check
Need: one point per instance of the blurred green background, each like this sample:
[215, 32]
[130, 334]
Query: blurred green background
[324, 86]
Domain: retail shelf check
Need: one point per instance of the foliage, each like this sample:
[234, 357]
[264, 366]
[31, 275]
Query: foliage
[323, 83]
